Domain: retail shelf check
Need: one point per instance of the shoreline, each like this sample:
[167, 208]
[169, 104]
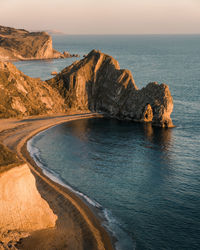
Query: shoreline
[35, 59]
[94, 235]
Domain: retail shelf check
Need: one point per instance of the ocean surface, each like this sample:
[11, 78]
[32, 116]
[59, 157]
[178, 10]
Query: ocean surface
[144, 180]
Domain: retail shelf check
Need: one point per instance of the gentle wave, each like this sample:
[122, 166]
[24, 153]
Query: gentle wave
[35, 154]
[109, 221]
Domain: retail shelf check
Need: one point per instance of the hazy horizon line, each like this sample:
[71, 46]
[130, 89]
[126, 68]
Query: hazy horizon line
[121, 34]
[62, 33]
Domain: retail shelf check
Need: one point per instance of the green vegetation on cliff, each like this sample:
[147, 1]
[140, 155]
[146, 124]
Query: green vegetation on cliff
[7, 158]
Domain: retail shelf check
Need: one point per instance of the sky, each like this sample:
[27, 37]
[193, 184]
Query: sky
[103, 16]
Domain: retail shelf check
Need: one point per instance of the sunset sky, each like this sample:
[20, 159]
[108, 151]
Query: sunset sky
[103, 16]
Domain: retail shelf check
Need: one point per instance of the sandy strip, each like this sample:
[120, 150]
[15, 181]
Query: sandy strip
[76, 227]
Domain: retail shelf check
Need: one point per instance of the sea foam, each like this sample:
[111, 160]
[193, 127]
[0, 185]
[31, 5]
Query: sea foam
[109, 221]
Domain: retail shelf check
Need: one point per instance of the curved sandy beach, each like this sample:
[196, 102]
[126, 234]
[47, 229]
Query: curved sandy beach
[76, 226]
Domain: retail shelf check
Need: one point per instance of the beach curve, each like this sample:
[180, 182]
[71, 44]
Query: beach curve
[69, 208]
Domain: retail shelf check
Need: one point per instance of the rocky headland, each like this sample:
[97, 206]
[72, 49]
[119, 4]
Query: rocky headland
[97, 83]
[20, 44]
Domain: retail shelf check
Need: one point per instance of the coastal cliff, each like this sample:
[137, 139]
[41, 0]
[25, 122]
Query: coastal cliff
[21, 215]
[19, 44]
[97, 83]
[93, 84]
[21, 95]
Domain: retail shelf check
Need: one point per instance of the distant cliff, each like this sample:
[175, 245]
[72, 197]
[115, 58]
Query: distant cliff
[19, 44]
[97, 83]
[21, 95]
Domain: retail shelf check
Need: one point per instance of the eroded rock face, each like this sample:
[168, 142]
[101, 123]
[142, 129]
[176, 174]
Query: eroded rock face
[21, 95]
[22, 208]
[97, 83]
[19, 44]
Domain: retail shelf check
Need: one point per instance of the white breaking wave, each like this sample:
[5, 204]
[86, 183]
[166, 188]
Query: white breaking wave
[110, 223]
[35, 154]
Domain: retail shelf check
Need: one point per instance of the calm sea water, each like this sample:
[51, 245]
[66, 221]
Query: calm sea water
[146, 180]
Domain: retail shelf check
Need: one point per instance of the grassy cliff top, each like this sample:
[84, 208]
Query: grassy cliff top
[8, 159]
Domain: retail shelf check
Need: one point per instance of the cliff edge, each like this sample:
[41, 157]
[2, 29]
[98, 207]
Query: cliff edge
[22, 208]
[20, 215]
[97, 83]
[19, 44]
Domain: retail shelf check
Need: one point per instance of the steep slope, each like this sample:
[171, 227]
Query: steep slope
[19, 44]
[21, 95]
[20, 215]
[22, 207]
[97, 83]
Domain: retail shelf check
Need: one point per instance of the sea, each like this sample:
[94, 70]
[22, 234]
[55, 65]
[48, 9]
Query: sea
[144, 181]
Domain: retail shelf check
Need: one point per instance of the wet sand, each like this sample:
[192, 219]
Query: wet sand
[77, 227]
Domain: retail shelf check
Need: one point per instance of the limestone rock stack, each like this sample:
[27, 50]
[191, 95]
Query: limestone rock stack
[97, 83]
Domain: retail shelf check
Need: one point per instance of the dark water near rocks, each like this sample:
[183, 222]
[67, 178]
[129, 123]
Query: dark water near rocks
[147, 180]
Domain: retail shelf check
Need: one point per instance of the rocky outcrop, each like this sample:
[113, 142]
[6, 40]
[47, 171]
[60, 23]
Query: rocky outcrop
[21, 95]
[97, 83]
[54, 73]
[19, 44]
[68, 55]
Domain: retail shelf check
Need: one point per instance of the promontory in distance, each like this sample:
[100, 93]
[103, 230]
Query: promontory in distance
[20, 44]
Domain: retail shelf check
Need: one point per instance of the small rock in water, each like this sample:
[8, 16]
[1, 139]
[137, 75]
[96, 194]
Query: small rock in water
[67, 54]
[54, 73]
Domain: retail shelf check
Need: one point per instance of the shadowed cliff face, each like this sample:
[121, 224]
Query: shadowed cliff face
[19, 44]
[21, 95]
[97, 83]
[8, 159]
